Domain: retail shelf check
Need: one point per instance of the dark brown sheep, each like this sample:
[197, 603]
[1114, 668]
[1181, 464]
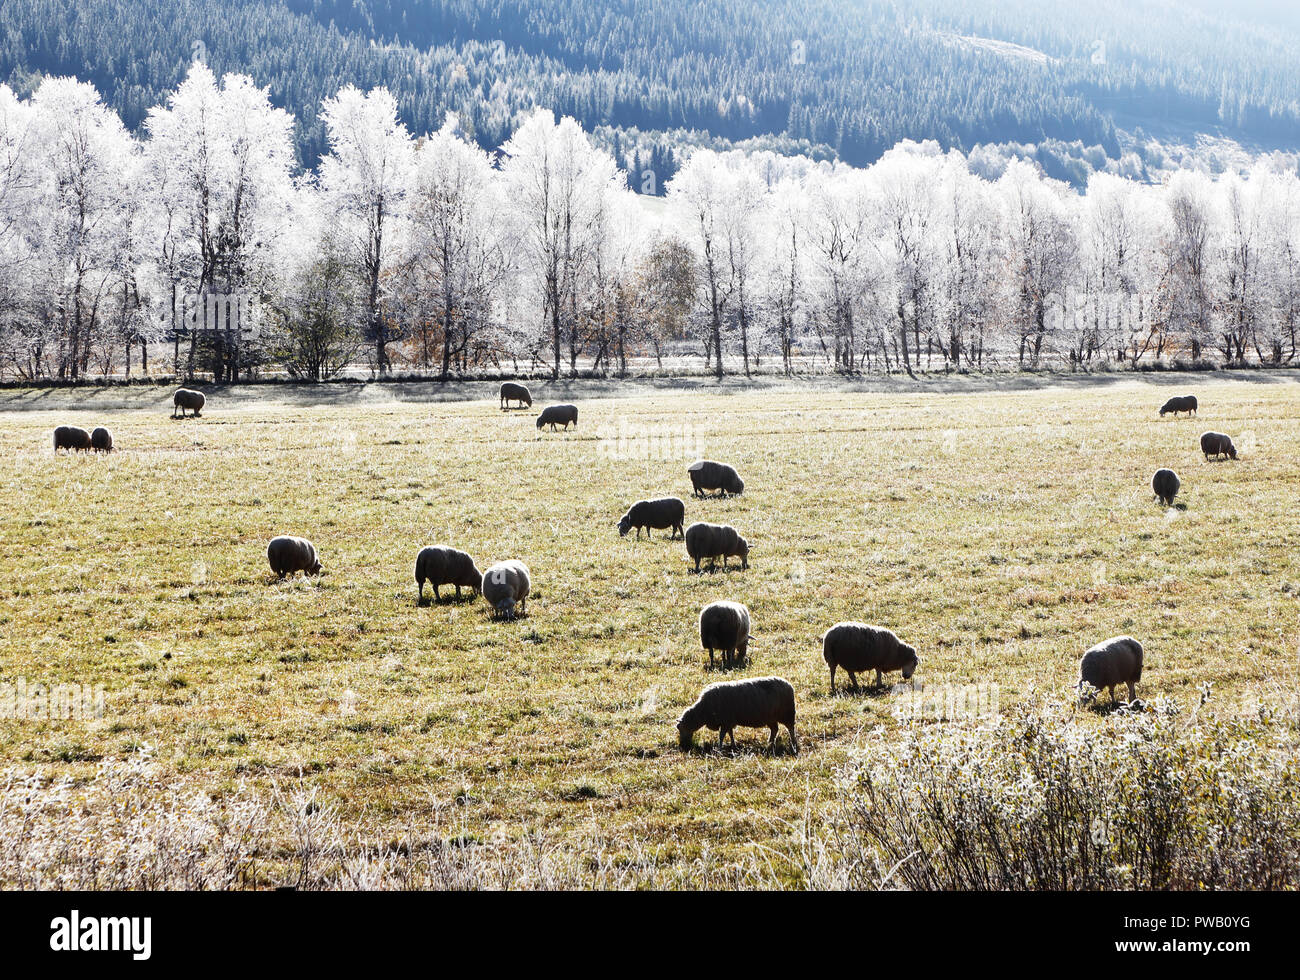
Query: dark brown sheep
[440, 565]
[1179, 403]
[714, 541]
[288, 555]
[1111, 663]
[71, 437]
[554, 415]
[101, 440]
[188, 398]
[760, 702]
[512, 392]
[1216, 444]
[1166, 483]
[859, 647]
[724, 626]
[705, 475]
[661, 514]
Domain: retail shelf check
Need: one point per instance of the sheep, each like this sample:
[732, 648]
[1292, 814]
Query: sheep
[71, 437]
[442, 565]
[859, 647]
[760, 702]
[664, 513]
[1216, 444]
[715, 541]
[101, 440]
[1179, 403]
[512, 392]
[288, 555]
[1111, 663]
[506, 584]
[188, 398]
[724, 626]
[705, 474]
[1166, 483]
[561, 414]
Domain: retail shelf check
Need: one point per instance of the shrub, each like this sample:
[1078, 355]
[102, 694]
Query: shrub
[1042, 799]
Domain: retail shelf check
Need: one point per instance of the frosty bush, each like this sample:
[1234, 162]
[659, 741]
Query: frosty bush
[1042, 799]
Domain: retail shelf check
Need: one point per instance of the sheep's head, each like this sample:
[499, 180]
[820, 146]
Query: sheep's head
[315, 567]
[624, 526]
[738, 485]
[744, 553]
[910, 663]
[1232, 451]
[687, 725]
[506, 608]
[540, 421]
[1087, 693]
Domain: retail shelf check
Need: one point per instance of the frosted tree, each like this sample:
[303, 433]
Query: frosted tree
[558, 184]
[1041, 249]
[842, 255]
[722, 199]
[84, 156]
[220, 158]
[1185, 246]
[460, 246]
[366, 178]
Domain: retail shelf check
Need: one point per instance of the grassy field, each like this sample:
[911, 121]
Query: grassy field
[1001, 533]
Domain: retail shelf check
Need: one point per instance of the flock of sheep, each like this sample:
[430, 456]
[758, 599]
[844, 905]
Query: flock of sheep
[725, 626]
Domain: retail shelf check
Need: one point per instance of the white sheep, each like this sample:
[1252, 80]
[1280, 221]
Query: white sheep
[505, 585]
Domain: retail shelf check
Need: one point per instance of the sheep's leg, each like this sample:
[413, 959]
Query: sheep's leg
[832, 680]
[457, 590]
[794, 742]
[523, 605]
[880, 681]
[1132, 692]
[853, 680]
[1113, 699]
[771, 742]
[437, 596]
[421, 599]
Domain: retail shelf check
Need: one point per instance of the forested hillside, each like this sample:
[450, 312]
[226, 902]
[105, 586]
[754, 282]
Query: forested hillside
[821, 77]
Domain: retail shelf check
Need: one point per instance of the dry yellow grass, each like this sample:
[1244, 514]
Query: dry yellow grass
[1000, 533]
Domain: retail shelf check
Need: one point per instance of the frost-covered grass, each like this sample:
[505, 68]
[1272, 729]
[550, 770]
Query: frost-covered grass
[1000, 533]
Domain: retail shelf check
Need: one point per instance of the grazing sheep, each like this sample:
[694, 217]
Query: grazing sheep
[553, 415]
[714, 541]
[705, 475]
[1179, 403]
[725, 626]
[1111, 663]
[664, 513]
[512, 392]
[1166, 483]
[506, 584]
[188, 398]
[101, 440]
[71, 437]
[288, 555]
[1216, 444]
[859, 646]
[761, 702]
[441, 565]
